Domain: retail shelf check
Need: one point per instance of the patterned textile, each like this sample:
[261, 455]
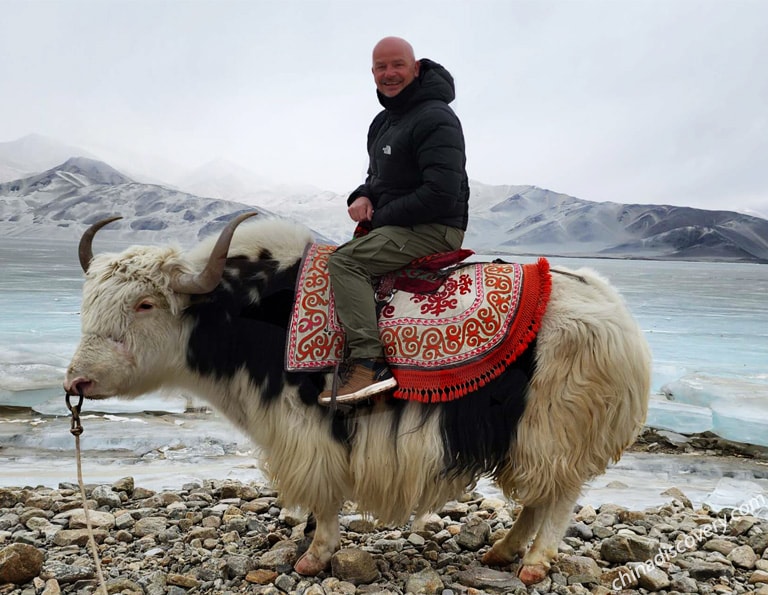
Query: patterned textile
[441, 345]
[423, 275]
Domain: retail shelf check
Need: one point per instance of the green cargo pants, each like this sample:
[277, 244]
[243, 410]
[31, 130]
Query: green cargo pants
[382, 250]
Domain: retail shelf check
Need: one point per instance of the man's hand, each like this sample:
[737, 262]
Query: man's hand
[361, 209]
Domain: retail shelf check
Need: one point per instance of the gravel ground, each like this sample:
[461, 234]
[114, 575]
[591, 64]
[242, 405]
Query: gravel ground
[230, 537]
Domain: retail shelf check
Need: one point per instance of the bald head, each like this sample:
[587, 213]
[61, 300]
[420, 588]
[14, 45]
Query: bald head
[394, 44]
[394, 65]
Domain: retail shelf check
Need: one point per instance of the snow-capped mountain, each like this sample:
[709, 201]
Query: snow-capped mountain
[32, 154]
[503, 219]
[64, 200]
[534, 220]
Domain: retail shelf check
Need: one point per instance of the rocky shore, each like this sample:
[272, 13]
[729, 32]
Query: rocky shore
[229, 537]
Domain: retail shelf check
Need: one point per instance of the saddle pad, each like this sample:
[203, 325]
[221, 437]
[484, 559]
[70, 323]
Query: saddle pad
[441, 345]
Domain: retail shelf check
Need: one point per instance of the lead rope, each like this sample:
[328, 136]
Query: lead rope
[76, 429]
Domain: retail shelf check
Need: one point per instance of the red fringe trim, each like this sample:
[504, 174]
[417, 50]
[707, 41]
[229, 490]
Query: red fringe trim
[431, 386]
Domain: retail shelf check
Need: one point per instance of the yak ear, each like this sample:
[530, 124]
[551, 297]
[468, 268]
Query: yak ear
[85, 249]
[206, 280]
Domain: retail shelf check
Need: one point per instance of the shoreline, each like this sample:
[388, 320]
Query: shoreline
[653, 440]
[166, 450]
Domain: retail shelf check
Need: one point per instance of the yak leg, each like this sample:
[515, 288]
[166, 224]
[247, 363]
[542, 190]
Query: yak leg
[515, 542]
[536, 561]
[324, 543]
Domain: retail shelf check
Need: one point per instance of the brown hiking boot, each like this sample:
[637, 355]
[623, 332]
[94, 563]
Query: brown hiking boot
[363, 379]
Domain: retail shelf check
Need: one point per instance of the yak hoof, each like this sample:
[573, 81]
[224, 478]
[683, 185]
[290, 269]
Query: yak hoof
[495, 557]
[531, 574]
[309, 565]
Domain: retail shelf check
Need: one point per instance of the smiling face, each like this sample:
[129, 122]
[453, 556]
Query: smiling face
[394, 65]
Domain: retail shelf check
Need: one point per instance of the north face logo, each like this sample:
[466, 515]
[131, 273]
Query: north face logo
[387, 150]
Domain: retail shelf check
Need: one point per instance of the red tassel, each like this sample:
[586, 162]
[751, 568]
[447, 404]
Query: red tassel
[419, 385]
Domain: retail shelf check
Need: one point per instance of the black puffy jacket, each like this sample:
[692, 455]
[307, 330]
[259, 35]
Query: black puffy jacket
[416, 171]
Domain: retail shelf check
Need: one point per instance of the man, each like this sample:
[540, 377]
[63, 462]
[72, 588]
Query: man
[414, 202]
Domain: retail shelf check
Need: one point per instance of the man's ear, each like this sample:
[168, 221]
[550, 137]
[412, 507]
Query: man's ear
[418, 68]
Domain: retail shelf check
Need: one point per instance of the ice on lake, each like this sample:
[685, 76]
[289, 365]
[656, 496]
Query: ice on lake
[735, 409]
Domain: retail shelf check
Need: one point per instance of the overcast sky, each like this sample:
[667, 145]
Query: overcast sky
[621, 100]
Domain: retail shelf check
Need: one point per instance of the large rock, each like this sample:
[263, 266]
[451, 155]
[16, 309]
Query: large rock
[126, 484]
[182, 580]
[703, 571]
[283, 555]
[124, 586]
[20, 563]
[743, 556]
[261, 576]
[474, 534]
[67, 573]
[759, 543]
[99, 519]
[580, 566]
[79, 537]
[238, 565]
[723, 546]
[621, 577]
[586, 514]
[425, 582]
[653, 579]
[106, 496]
[8, 498]
[486, 578]
[430, 522]
[455, 510]
[354, 566]
[150, 525]
[621, 549]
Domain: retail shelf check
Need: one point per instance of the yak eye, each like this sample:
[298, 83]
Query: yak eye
[145, 305]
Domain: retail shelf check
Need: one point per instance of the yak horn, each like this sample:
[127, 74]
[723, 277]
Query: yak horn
[85, 251]
[207, 280]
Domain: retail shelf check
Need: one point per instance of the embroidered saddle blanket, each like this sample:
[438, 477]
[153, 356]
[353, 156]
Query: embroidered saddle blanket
[439, 345]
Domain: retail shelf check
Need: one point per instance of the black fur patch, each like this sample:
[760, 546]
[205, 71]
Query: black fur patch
[478, 429]
[243, 323]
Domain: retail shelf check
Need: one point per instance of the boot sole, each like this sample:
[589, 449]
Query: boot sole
[363, 393]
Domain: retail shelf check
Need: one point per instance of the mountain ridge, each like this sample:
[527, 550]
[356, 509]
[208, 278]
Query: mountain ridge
[564, 225]
[64, 200]
[503, 219]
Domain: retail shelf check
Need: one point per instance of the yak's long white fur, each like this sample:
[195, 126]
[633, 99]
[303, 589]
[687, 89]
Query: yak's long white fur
[589, 396]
